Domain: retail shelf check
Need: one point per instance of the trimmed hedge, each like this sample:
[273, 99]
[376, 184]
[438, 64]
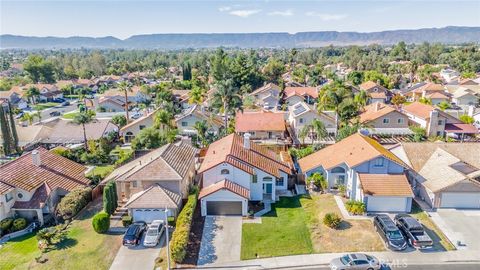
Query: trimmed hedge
[355, 207]
[332, 220]
[110, 198]
[178, 244]
[73, 202]
[101, 222]
[6, 224]
[19, 224]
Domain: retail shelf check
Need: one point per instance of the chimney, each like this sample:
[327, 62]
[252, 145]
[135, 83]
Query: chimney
[246, 140]
[377, 106]
[36, 158]
[471, 110]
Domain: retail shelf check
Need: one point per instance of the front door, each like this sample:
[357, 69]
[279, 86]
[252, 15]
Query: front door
[267, 188]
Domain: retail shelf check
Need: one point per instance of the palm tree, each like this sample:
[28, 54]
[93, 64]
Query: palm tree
[319, 128]
[163, 119]
[125, 87]
[226, 99]
[28, 117]
[84, 118]
[201, 127]
[196, 95]
[32, 93]
[361, 98]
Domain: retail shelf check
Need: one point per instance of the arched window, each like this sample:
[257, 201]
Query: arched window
[338, 170]
[224, 171]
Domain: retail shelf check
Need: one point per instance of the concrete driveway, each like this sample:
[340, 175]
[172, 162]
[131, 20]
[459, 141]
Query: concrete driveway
[138, 257]
[221, 240]
[459, 225]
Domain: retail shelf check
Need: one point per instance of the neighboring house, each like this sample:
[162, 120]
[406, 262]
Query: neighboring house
[156, 181]
[464, 97]
[449, 75]
[135, 95]
[436, 122]
[370, 173]
[111, 103]
[302, 114]
[48, 92]
[14, 95]
[186, 121]
[380, 118]
[293, 95]
[376, 92]
[426, 91]
[267, 96]
[446, 175]
[131, 130]
[261, 125]
[64, 132]
[236, 171]
[32, 185]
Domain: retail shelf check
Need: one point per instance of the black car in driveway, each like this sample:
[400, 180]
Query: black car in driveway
[389, 232]
[134, 233]
[413, 231]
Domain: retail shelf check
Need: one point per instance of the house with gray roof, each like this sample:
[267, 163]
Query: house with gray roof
[156, 181]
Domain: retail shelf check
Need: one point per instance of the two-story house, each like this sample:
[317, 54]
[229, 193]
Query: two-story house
[261, 125]
[293, 95]
[32, 185]
[130, 130]
[267, 96]
[236, 171]
[156, 181]
[370, 173]
[186, 121]
[380, 118]
[376, 92]
[302, 114]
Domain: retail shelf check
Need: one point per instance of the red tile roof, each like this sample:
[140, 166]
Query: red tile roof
[225, 185]
[461, 128]
[259, 121]
[385, 184]
[301, 91]
[419, 109]
[54, 170]
[375, 111]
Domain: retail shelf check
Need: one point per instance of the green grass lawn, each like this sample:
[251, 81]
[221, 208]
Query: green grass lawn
[43, 106]
[103, 171]
[83, 248]
[282, 232]
[440, 241]
[70, 115]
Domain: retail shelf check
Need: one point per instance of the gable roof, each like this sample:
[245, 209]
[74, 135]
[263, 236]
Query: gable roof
[266, 87]
[225, 185]
[169, 162]
[370, 84]
[300, 91]
[463, 91]
[353, 150]
[155, 196]
[230, 149]
[438, 94]
[430, 87]
[65, 131]
[375, 111]
[385, 184]
[139, 120]
[419, 109]
[195, 110]
[259, 121]
[54, 170]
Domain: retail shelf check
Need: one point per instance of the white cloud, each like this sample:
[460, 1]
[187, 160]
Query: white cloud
[223, 9]
[326, 16]
[244, 13]
[285, 13]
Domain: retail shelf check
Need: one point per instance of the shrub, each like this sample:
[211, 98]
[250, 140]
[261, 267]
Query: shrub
[19, 224]
[342, 189]
[332, 220]
[318, 180]
[127, 221]
[101, 222]
[355, 207]
[178, 246]
[73, 202]
[6, 224]
[109, 198]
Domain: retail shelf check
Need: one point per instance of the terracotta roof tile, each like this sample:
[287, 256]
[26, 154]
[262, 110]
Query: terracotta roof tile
[301, 91]
[259, 121]
[155, 196]
[375, 111]
[225, 184]
[385, 184]
[419, 109]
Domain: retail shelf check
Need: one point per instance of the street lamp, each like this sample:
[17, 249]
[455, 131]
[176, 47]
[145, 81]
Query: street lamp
[166, 234]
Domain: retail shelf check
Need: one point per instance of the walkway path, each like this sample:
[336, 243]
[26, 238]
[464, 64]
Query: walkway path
[343, 210]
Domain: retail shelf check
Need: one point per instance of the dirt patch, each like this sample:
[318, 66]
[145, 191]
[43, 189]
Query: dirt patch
[193, 247]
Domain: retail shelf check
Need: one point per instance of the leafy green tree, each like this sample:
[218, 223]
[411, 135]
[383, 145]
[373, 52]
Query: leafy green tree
[377, 77]
[82, 119]
[355, 77]
[196, 95]
[38, 69]
[419, 133]
[361, 98]
[27, 117]
[398, 100]
[467, 119]
[425, 100]
[226, 99]
[119, 120]
[444, 105]
[149, 138]
[163, 119]
[32, 93]
[399, 52]
[101, 222]
[274, 70]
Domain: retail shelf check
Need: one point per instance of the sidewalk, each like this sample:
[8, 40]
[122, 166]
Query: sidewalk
[396, 258]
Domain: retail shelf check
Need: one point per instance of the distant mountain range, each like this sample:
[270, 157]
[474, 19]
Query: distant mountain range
[448, 35]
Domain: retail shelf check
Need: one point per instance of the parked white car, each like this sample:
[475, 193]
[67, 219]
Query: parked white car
[154, 232]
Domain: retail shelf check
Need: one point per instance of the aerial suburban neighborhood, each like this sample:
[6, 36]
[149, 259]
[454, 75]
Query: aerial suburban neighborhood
[246, 148]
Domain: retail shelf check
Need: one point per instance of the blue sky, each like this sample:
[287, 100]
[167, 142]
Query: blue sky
[125, 18]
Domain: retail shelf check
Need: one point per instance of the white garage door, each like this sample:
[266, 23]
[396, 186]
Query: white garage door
[460, 200]
[386, 204]
[148, 215]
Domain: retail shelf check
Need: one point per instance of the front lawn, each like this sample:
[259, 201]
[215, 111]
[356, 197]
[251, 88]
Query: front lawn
[101, 171]
[352, 235]
[70, 115]
[283, 231]
[83, 248]
[440, 241]
[43, 106]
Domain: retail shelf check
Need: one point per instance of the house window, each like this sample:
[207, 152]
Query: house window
[20, 195]
[400, 120]
[440, 122]
[301, 120]
[338, 170]
[184, 124]
[375, 89]
[254, 178]
[386, 120]
[134, 184]
[340, 180]
[8, 197]
[224, 171]
[267, 179]
[279, 182]
[378, 162]
[141, 127]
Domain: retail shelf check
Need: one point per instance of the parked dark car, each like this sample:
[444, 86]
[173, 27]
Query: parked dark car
[413, 231]
[133, 235]
[59, 100]
[65, 103]
[389, 232]
[55, 113]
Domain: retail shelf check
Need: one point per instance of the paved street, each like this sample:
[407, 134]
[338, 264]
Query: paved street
[61, 109]
[457, 225]
[221, 240]
[410, 267]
